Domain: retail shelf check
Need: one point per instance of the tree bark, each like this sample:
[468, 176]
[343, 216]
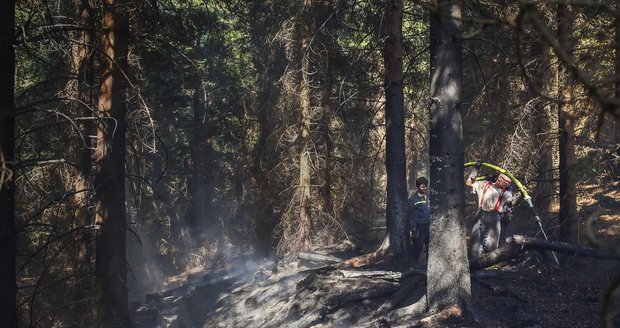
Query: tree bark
[199, 217]
[617, 54]
[395, 159]
[82, 67]
[305, 196]
[326, 208]
[615, 123]
[8, 286]
[566, 119]
[267, 60]
[448, 282]
[543, 130]
[111, 265]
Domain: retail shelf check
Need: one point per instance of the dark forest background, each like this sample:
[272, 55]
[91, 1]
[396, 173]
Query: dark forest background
[217, 130]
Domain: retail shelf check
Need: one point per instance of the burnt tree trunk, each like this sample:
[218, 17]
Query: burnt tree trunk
[8, 286]
[566, 119]
[111, 265]
[448, 282]
[395, 159]
[517, 244]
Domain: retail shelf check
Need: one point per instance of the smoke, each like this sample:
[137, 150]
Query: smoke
[144, 274]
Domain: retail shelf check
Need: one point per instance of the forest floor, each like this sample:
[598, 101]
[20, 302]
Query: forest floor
[530, 291]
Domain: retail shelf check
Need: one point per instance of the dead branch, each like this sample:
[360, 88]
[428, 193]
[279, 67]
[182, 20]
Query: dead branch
[380, 274]
[371, 258]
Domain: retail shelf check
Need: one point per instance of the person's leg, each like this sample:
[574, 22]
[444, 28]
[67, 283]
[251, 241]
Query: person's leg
[423, 240]
[476, 239]
[491, 234]
[504, 221]
[415, 237]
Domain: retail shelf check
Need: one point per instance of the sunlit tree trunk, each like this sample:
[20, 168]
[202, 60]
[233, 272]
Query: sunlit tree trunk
[111, 266]
[448, 282]
[566, 120]
[82, 66]
[395, 159]
[8, 287]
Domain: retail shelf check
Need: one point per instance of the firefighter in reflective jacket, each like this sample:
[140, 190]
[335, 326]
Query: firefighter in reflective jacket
[418, 213]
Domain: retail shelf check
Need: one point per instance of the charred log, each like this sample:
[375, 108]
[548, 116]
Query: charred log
[517, 244]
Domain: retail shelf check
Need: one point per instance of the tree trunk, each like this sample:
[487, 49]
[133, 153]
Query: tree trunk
[199, 217]
[266, 61]
[111, 266]
[395, 159]
[545, 190]
[322, 53]
[616, 123]
[415, 149]
[617, 55]
[566, 119]
[448, 281]
[305, 215]
[82, 66]
[326, 208]
[8, 287]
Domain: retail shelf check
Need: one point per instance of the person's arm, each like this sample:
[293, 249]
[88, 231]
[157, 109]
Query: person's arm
[472, 177]
[473, 174]
[516, 197]
[409, 205]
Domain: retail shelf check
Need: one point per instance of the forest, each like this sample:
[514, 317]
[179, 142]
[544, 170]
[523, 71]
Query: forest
[248, 163]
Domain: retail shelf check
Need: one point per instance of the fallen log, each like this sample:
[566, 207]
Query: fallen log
[563, 247]
[315, 257]
[516, 244]
[371, 258]
[381, 274]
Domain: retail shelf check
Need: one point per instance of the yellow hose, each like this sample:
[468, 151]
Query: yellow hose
[506, 172]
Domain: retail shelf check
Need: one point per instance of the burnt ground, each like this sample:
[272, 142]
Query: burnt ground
[545, 295]
[529, 291]
[534, 294]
